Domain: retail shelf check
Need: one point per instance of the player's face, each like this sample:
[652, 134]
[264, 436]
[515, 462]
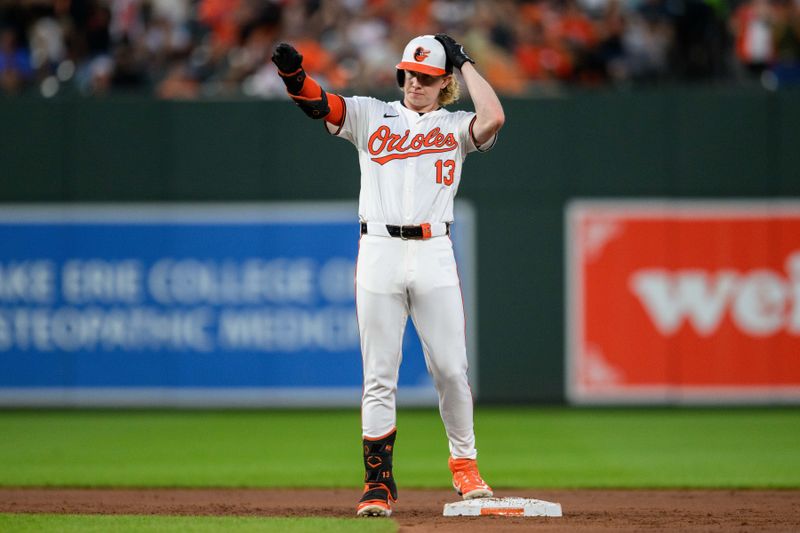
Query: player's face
[422, 90]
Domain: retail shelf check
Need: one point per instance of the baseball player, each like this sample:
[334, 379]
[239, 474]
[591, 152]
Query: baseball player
[411, 152]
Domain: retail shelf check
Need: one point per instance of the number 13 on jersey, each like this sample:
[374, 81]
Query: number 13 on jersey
[448, 177]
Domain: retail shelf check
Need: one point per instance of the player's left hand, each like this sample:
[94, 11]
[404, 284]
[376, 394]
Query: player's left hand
[455, 52]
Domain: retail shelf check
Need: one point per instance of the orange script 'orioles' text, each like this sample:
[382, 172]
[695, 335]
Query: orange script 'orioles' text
[398, 146]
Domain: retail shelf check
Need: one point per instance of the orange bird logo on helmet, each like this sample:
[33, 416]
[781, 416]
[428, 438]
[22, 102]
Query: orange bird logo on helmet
[420, 54]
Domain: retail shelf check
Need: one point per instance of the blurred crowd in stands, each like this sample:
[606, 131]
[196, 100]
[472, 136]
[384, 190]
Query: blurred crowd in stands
[189, 49]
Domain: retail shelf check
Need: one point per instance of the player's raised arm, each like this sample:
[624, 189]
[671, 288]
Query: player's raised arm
[306, 93]
[490, 116]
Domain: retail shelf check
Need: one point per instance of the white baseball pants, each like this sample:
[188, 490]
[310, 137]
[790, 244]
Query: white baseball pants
[396, 278]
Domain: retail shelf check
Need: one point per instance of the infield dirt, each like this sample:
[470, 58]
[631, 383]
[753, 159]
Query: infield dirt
[421, 510]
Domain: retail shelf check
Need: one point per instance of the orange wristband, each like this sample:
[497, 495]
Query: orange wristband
[336, 103]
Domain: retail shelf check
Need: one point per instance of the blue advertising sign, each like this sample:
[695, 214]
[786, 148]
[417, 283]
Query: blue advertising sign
[212, 305]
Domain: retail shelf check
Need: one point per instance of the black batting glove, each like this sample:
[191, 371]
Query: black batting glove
[290, 62]
[455, 52]
[287, 58]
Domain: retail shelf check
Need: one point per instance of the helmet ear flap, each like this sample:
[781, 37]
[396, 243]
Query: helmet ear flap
[401, 77]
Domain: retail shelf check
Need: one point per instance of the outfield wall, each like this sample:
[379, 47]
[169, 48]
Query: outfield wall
[700, 143]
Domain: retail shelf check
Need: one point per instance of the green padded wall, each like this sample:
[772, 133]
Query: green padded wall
[667, 143]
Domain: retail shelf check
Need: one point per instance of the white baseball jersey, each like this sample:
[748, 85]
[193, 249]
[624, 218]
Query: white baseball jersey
[410, 163]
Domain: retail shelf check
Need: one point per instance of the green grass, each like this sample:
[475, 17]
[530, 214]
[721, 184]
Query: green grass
[20, 523]
[550, 447]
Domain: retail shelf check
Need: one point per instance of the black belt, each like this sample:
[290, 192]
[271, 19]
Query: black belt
[423, 231]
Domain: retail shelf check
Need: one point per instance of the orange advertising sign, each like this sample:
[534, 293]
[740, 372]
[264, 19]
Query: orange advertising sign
[676, 301]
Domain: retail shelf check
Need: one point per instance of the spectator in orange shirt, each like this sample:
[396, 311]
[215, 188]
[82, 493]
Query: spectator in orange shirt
[221, 17]
[578, 32]
[576, 28]
[539, 58]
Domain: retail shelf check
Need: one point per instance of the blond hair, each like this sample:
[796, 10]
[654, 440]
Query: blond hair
[450, 94]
